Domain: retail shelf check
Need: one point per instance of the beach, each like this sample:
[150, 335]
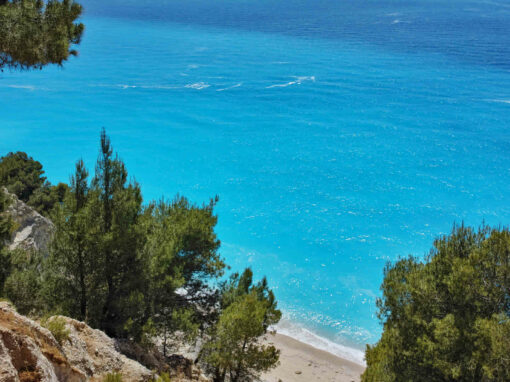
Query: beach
[302, 362]
[331, 133]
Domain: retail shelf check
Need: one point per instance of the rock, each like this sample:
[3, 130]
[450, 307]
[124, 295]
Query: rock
[180, 368]
[95, 354]
[298, 372]
[150, 358]
[33, 231]
[29, 352]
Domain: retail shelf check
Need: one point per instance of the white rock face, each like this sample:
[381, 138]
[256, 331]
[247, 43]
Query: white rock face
[33, 231]
[94, 353]
[29, 352]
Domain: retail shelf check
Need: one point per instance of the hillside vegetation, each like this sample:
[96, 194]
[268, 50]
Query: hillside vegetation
[447, 318]
[138, 271]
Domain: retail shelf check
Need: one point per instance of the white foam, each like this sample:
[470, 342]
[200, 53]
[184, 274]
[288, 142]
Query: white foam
[26, 87]
[504, 5]
[301, 334]
[501, 100]
[197, 85]
[127, 86]
[230, 87]
[297, 81]
[122, 86]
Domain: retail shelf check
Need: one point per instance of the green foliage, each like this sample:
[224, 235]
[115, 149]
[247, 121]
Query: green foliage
[6, 225]
[119, 265]
[5, 267]
[182, 251]
[112, 377]
[23, 284]
[234, 350]
[35, 33]
[57, 326]
[493, 345]
[5, 220]
[23, 176]
[447, 319]
[96, 269]
[134, 271]
[163, 377]
[45, 198]
[121, 238]
[71, 271]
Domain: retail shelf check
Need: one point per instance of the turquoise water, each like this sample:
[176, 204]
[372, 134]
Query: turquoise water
[337, 135]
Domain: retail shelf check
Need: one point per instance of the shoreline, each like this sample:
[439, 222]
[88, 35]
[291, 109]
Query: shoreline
[300, 361]
[300, 333]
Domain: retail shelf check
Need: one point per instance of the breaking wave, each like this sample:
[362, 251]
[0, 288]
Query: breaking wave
[301, 334]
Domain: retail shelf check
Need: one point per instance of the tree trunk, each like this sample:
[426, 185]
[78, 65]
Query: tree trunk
[83, 298]
[219, 376]
[107, 322]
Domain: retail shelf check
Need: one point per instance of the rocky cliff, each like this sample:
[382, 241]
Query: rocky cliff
[32, 230]
[30, 352]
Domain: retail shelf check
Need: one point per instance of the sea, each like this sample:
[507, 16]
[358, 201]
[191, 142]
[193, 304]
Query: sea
[339, 135]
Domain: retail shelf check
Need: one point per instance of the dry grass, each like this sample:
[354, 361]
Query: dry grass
[29, 376]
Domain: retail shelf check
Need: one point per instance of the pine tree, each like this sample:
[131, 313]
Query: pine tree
[96, 270]
[79, 191]
[23, 176]
[120, 245]
[5, 232]
[72, 263]
[183, 259]
[5, 220]
[447, 318]
[234, 350]
[35, 33]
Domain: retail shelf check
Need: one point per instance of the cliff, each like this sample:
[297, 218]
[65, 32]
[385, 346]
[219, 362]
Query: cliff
[32, 230]
[30, 352]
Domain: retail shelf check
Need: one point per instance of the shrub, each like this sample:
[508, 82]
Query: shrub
[22, 288]
[112, 377]
[163, 377]
[57, 327]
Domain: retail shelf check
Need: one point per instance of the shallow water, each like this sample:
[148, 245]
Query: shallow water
[338, 135]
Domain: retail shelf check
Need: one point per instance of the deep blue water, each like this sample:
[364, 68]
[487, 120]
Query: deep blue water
[338, 134]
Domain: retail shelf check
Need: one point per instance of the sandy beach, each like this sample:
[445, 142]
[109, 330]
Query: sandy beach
[302, 362]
